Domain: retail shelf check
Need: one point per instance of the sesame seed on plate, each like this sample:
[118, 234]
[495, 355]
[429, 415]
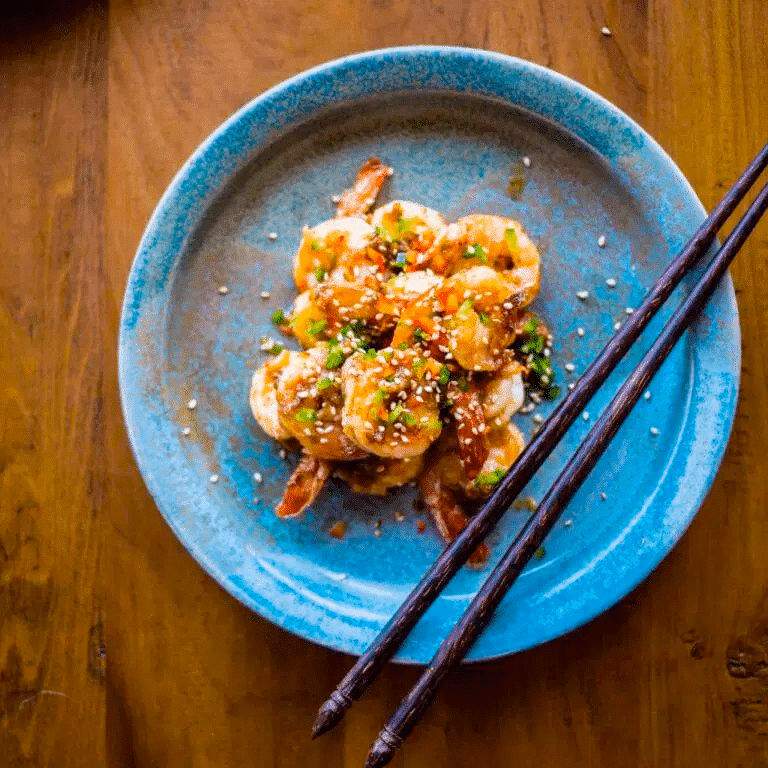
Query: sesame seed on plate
[603, 495]
[611, 282]
[265, 294]
[186, 431]
[601, 241]
[192, 404]
[272, 235]
[647, 395]
[568, 523]
[570, 367]
[654, 431]
[336, 199]
[583, 295]
[214, 478]
[257, 477]
[537, 417]
[616, 325]
[571, 385]
[282, 453]
[580, 331]
[629, 310]
[606, 31]
[585, 415]
[223, 290]
[527, 162]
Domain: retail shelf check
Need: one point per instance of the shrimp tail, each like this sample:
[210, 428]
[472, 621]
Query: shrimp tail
[447, 513]
[304, 485]
[358, 200]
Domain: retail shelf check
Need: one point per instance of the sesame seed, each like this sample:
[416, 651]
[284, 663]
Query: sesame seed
[546, 352]
[223, 290]
[647, 395]
[377, 533]
[654, 431]
[399, 516]
[272, 235]
[527, 162]
[611, 282]
[629, 310]
[537, 417]
[580, 331]
[571, 385]
[568, 523]
[583, 295]
[282, 453]
[616, 325]
[585, 415]
[257, 477]
[192, 404]
[605, 31]
[336, 199]
[601, 241]
[214, 478]
[265, 294]
[603, 495]
[186, 431]
[570, 367]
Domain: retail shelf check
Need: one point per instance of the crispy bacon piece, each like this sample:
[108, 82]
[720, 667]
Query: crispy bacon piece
[359, 200]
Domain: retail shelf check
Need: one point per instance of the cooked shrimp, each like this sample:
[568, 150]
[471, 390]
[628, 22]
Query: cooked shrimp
[503, 393]
[411, 225]
[481, 315]
[263, 397]
[494, 241]
[504, 444]
[307, 322]
[377, 475]
[390, 406]
[324, 245]
[467, 412]
[304, 485]
[309, 402]
[360, 199]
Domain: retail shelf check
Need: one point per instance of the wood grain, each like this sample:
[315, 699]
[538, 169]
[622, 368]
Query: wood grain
[101, 103]
[52, 360]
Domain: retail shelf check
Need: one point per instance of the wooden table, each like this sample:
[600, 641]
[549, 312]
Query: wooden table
[114, 645]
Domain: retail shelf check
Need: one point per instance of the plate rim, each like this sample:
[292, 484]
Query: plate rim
[386, 55]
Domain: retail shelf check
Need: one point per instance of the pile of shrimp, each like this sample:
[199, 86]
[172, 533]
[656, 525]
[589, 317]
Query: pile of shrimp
[417, 352]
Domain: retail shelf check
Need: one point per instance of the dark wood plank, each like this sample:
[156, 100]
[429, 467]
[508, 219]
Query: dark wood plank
[194, 678]
[52, 358]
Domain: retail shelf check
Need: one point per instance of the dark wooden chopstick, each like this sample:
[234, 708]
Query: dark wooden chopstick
[448, 563]
[504, 575]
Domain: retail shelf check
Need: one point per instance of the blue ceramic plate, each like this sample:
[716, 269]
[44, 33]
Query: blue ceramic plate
[456, 125]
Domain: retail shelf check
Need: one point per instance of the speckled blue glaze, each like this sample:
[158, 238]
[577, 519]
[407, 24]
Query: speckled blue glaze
[455, 123]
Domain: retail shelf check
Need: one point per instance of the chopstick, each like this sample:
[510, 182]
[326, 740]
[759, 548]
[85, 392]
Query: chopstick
[504, 575]
[448, 563]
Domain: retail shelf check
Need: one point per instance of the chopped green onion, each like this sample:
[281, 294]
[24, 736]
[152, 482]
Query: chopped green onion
[530, 327]
[540, 553]
[315, 246]
[319, 273]
[444, 375]
[418, 364]
[383, 234]
[408, 419]
[316, 326]
[463, 385]
[370, 354]
[552, 393]
[510, 237]
[482, 317]
[379, 395]
[275, 349]
[403, 345]
[475, 251]
[324, 384]
[395, 413]
[466, 306]
[405, 225]
[306, 415]
[419, 334]
[489, 478]
[335, 359]
[279, 318]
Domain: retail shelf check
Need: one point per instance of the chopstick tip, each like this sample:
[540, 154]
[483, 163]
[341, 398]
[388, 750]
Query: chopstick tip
[379, 754]
[329, 715]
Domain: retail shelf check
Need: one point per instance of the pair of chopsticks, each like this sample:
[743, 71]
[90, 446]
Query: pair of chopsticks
[482, 607]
